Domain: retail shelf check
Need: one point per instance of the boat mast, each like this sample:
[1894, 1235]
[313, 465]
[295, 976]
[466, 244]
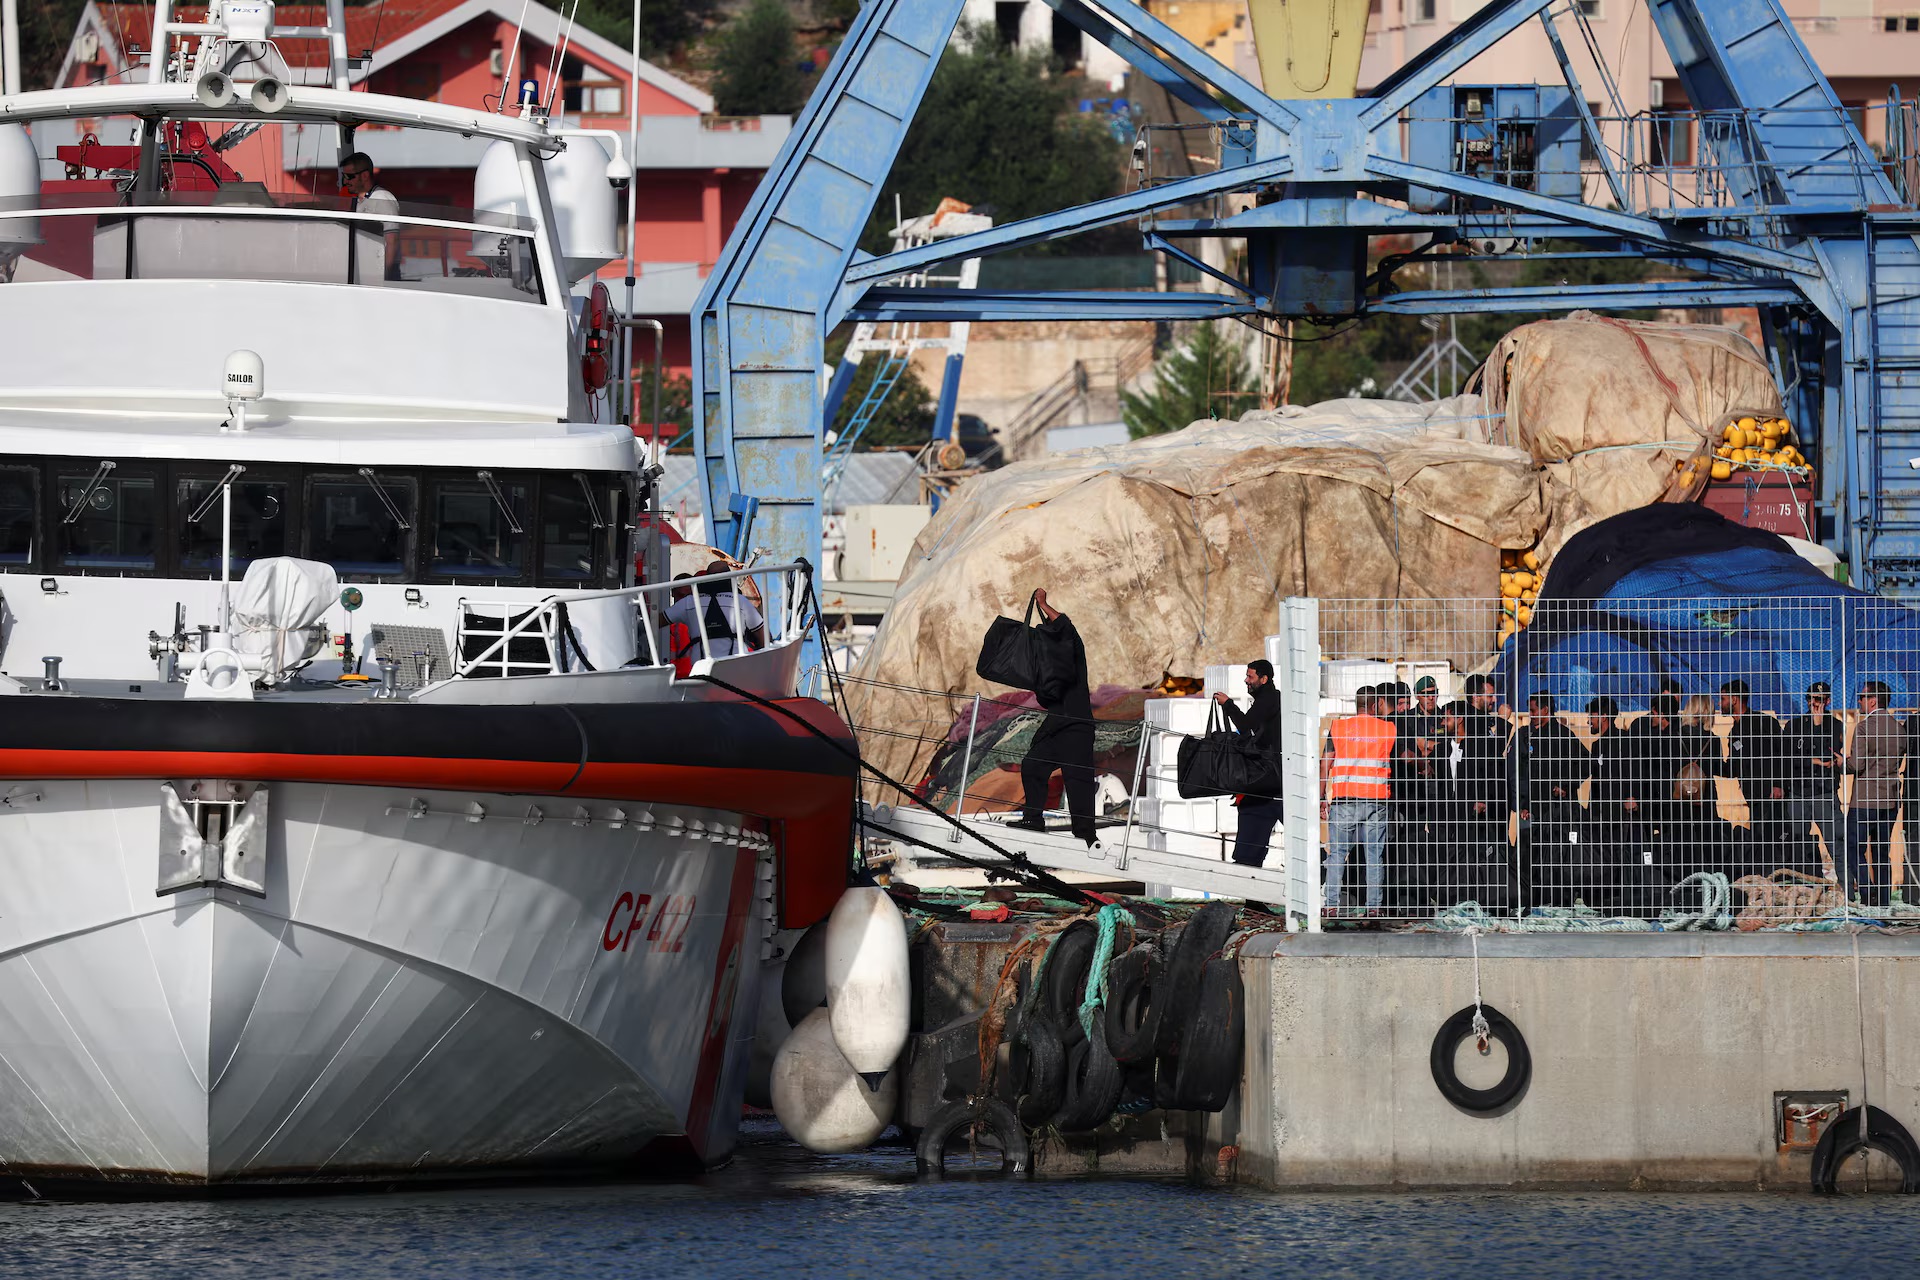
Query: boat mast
[633, 198]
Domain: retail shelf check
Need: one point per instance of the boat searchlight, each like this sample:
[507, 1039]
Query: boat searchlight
[245, 380]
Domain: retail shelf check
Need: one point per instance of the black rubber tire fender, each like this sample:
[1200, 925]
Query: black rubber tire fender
[1046, 1083]
[1063, 985]
[1215, 1041]
[1842, 1140]
[962, 1120]
[1093, 1084]
[1200, 938]
[1509, 1087]
[1132, 1013]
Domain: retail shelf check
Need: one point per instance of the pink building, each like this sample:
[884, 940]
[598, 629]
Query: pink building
[1863, 46]
[694, 171]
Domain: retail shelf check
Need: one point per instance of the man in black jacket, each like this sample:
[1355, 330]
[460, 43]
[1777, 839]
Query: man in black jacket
[1754, 759]
[1546, 765]
[1815, 759]
[1064, 740]
[1260, 723]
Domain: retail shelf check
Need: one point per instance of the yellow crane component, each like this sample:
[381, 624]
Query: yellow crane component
[1309, 48]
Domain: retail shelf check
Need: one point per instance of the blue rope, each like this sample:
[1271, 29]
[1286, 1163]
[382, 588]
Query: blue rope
[1108, 920]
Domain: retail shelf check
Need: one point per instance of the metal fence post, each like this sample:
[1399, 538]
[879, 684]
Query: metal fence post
[1300, 760]
[1133, 796]
[966, 770]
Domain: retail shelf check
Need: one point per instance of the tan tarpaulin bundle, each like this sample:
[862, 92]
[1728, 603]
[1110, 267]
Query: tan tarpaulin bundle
[1616, 409]
[1172, 553]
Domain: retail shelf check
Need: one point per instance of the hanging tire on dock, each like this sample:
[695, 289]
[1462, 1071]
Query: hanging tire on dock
[1063, 983]
[1843, 1140]
[1214, 1041]
[1510, 1085]
[1132, 1011]
[1200, 938]
[980, 1124]
[1046, 1083]
[1093, 1081]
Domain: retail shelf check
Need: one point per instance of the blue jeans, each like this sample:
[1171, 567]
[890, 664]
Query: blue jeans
[1356, 821]
[1868, 831]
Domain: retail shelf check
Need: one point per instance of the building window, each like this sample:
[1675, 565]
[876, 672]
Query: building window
[1900, 22]
[1587, 8]
[589, 91]
[1423, 10]
[420, 81]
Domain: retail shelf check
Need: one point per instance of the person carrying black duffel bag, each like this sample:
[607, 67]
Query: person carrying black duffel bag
[1260, 723]
[1064, 740]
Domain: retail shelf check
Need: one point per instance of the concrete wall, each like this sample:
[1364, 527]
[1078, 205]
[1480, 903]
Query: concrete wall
[1655, 1056]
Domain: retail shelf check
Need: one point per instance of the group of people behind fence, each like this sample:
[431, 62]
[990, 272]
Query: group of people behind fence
[1420, 797]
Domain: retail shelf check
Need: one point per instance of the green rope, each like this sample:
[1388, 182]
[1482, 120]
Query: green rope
[1108, 920]
[1716, 911]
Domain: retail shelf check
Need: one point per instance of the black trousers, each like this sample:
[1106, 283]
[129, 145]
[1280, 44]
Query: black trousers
[1258, 814]
[1069, 750]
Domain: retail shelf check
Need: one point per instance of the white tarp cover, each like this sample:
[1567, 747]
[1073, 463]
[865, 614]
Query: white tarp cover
[1172, 553]
[280, 598]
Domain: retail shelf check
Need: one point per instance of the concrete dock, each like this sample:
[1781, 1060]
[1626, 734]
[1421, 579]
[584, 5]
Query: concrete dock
[1659, 1060]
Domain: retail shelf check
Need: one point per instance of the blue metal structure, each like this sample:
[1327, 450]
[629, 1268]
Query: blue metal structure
[1782, 205]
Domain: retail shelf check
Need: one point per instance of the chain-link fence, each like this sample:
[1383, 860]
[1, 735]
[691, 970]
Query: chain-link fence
[1734, 759]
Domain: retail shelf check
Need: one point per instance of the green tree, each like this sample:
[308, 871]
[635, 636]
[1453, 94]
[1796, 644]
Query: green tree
[676, 402]
[998, 128]
[758, 64]
[46, 28]
[1209, 376]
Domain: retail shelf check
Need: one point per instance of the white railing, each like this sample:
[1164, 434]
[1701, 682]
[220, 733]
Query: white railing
[501, 622]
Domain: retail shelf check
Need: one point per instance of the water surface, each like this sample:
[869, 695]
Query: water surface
[778, 1212]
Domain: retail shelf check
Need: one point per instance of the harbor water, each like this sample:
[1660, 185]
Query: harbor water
[779, 1211]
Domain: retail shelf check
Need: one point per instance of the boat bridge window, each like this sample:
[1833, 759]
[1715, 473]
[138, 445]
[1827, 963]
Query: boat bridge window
[260, 507]
[135, 517]
[479, 528]
[108, 517]
[19, 504]
[361, 524]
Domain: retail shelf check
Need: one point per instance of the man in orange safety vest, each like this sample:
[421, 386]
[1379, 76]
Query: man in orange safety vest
[1355, 781]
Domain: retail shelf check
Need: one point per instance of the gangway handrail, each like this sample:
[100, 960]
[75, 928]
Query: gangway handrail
[543, 612]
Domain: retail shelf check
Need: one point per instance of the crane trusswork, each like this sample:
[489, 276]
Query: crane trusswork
[1782, 206]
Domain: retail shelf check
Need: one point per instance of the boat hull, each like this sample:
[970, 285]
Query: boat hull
[422, 992]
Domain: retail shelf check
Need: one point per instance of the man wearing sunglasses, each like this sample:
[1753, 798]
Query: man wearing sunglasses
[1814, 764]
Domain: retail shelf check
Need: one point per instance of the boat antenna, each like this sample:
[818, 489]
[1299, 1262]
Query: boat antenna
[9, 46]
[223, 490]
[512, 63]
[633, 208]
[557, 63]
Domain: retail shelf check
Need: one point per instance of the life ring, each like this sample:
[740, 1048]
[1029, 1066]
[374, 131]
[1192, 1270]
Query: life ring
[1519, 1061]
[967, 1118]
[1214, 1041]
[1093, 1083]
[1132, 1013]
[1842, 1140]
[1200, 938]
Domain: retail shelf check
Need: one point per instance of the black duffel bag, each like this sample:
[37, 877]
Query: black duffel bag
[1018, 654]
[1224, 763]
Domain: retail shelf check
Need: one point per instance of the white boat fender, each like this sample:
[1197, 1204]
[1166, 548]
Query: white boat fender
[803, 984]
[869, 988]
[818, 1097]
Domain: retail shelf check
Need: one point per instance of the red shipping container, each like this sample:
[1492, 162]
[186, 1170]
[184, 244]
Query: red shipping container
[1770, 500]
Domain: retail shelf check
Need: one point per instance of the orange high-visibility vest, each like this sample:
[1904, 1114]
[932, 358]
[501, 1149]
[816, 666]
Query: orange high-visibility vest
[1362, 758]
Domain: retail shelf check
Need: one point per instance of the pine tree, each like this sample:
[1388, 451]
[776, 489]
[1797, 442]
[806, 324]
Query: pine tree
[758, 64]
[1207, 377]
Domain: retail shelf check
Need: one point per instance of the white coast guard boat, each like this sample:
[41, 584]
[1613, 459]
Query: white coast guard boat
[353, 823]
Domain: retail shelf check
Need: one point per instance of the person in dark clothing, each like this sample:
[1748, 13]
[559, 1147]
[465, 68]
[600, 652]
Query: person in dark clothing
[1472, 813]
[1754, 761]
[1413, 856]
[1260, 723]
[1545, 766]
[1064, 741]
[1662, 748]
[1815, 762]
[1616, 842]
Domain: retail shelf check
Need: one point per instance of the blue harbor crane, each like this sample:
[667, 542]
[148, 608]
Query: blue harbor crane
[1783, 206]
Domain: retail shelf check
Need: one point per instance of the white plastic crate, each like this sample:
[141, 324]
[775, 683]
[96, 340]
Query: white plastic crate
[1180, 715]
[1344, 677]
[1230, 680]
